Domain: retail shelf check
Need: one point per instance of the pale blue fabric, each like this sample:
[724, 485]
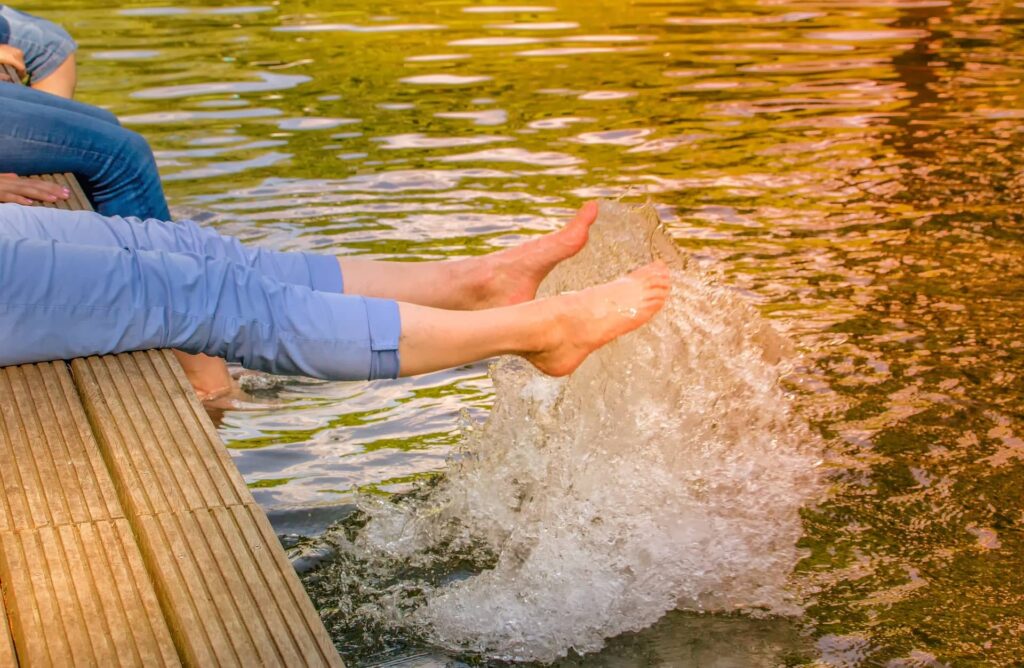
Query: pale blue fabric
[315, 271]
[129, 289]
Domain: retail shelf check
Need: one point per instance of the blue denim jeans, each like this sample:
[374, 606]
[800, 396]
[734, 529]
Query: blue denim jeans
[74, 284]
[42, 134]
[45, 44]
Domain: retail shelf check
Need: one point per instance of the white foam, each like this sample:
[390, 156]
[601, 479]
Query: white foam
[667, 472]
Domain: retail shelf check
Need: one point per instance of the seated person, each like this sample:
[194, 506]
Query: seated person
[46, 134]
[42, 134]
[74, 284]
[46, 51]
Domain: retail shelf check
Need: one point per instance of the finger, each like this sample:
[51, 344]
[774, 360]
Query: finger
[36, 189]
[11, 198]
[48, 192]
[54, 189]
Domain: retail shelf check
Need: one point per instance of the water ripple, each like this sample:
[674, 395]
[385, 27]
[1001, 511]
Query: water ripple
[420, 141]
[444, 79]
[540, 158]
[158, 117]
[850, 167]
[267, 81]
[351, 27]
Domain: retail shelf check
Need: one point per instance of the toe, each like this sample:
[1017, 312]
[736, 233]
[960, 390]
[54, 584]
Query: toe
[586, 216]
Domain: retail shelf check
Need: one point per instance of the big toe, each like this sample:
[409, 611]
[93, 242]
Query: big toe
[584, 218]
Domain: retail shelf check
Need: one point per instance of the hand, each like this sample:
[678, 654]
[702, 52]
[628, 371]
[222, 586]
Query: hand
[22, 190]
[12, 56]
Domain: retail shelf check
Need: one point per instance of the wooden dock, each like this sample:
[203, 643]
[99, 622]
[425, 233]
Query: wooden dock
[127, 535]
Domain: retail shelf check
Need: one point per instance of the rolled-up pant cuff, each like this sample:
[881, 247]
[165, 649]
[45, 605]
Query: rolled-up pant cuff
[324, 273]
[385, 327]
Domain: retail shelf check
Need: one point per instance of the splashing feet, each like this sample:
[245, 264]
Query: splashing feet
[512, 276]
[582, 322]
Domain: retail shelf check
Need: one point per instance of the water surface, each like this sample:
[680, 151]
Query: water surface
[852, 168]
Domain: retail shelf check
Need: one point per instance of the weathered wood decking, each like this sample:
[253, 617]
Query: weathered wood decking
[127, 535]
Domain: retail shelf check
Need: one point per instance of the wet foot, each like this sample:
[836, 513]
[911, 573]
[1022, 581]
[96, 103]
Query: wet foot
[586, 320]
[512, 276]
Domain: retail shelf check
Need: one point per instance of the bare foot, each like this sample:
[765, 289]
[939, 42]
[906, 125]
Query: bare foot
[512, 276]
[586, 320]
[208, 376]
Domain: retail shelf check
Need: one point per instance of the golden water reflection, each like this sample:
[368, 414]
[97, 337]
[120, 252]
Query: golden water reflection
[853, 167]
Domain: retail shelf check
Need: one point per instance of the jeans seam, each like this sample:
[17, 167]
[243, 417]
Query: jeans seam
[45, 142]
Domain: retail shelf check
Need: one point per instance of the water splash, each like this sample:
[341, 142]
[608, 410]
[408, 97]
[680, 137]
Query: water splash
[667, 472]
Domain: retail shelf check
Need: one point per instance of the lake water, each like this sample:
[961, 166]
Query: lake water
[852, 169]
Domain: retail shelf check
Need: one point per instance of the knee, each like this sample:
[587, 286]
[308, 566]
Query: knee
[128, 161]
[62, 81]
[134, 149]
[107, 116]
[46, 45]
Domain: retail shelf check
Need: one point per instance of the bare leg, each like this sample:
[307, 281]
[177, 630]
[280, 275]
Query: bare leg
[554, 334]
[499, 279]
[61, 81]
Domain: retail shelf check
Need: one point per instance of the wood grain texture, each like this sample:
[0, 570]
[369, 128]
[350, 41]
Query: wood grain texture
[159, 442]
[78, 594]
[74, 582]
[8, 657]
[229, 593]
[50, 466]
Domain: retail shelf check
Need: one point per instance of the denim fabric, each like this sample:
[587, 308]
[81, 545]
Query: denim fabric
[42, 133]
[45, 44]
[5, 30]
[85, 228]
[60, 300]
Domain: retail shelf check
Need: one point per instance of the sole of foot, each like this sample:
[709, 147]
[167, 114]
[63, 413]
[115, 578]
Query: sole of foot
[582, 322]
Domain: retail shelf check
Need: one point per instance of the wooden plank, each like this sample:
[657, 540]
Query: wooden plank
[81, 202]
[7, 655]
[77, 596]
[227, 589]
[50, 466]
[276, 566]
[159, 441]
[74, 581]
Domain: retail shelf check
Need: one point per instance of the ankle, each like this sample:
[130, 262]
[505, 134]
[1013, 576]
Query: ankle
[473, 280]
[547, 325]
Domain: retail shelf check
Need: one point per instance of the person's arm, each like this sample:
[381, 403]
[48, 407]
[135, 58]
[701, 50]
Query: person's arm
[47, 48]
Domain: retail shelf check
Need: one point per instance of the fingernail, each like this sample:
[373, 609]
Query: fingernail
[65, 191]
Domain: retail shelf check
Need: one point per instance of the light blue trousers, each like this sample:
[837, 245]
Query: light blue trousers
[74, 284]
